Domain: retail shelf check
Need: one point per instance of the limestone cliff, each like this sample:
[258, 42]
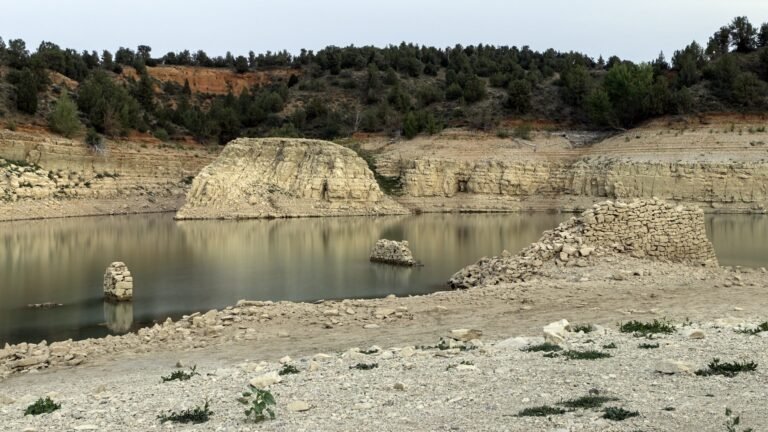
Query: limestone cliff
[278, 177]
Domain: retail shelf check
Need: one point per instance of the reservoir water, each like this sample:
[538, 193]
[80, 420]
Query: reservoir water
[182, 267]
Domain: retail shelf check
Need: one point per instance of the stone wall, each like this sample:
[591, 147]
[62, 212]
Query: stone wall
[392, 252]
[118, 282]
[279, 177]
[651, 228]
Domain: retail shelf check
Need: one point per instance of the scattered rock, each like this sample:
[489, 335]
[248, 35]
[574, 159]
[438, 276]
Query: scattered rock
[466, 335]
[392, 252]
[695, 334]
[674, 367]
[556, 332]
[298, 406]
[371, 326]
[266, 380]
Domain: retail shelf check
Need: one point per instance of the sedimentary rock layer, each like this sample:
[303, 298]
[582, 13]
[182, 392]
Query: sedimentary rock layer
[650, 228]
[277, 177]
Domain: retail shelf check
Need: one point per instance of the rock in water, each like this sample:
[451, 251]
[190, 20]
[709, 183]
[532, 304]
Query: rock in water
[118, 282]
[281, 177]
[392, 252]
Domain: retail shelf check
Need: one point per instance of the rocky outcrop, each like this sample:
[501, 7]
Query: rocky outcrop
[392, 252]
[118, 282]
[278, 177]
[492, 184]
[652, 228]
[48, 176]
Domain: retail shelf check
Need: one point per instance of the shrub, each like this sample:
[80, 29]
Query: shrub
[726, 369]
[618, 414]
[591, 401]
[365, 366]
[63, 119]
[523, 131]
[288, 370]
[196, 415]
[544, 347]
[585, 355]
[42, 406]
[648, 346]
[611, 345]
[93, 139]
[586, 328]
[181, 375]
[258, 402]
[732, 421]
[644, 329]
[540, 411]
[763, 326]
[161, 134]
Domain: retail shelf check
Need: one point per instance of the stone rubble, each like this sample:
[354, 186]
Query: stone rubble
[392, 252]
[650, 228]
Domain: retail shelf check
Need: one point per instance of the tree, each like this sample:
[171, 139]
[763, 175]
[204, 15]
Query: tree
[519, 96]
[719, 43]
[63, 119]
[600, 109]
[629, 87]
[743, 35]
[125, 56]
[576, 84]
[762, 36]
[749, 91]
[241, 65]
[108, 106]
[474, 89]
[27, 86]
[410, 125]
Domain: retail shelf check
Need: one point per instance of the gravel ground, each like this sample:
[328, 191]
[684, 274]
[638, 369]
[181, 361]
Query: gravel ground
[417, 388]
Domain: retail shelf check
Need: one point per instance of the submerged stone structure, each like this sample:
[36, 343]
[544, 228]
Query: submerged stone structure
[643, 228]
[392, 252]
[118, 282]
[284, 177]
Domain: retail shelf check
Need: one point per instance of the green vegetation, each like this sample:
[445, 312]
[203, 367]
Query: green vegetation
[365, 366]
[42, 406]
[195, 415]
[258, 402]
[763, 326]
[63, 119]
[586, 328]
[399, 90]
[726, 369]
[618, 414]
[611, 345]
[181, 375]
[544, 347]
[585, 355]
[586, 402]
[648, 346]
[644, 329]
[540, 411]
[288, 370]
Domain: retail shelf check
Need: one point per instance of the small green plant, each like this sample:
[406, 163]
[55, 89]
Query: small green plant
[540, 411]
[585, 355]
[42, 406]
[611, 345]
[93, 139]
[544, 347]
[586, 328]
[763, 326]
[644, 329]
[502, 133]
[288, 370]
[726, 369]
[187, 180]
[10, 125]
[585, 402]
[195, 415]
[618, 414]
[365, 366]
[523, 131]
[258, 402]
[732, 421]
[181, 375]
[648, 346]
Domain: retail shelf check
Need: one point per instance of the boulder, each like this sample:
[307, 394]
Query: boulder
[266, 380]
[392, 252]
[557, 331]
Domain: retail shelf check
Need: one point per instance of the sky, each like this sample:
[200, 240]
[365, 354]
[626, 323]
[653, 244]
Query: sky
[634, 30]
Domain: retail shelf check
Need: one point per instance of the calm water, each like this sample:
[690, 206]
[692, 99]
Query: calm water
[180, 267]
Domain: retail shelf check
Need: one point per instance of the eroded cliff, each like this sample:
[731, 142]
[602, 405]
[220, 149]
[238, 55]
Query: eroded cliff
[278, 177]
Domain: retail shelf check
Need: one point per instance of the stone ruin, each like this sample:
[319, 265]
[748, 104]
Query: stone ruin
[643, 228]
[118, 282]
[392, 252]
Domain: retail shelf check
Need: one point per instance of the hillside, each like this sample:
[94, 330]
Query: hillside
[397, 91]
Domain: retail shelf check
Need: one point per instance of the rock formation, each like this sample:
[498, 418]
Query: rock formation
[392, 252]
[279, 177]
[650, 228]
[118, 282]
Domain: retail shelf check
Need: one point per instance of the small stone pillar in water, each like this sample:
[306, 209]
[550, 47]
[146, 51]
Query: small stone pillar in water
[118, 282]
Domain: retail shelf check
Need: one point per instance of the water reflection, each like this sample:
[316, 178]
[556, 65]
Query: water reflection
[118, 316]
[190, 266]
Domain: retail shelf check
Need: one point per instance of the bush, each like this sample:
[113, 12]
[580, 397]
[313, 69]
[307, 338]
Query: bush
[63, 119]
[42, 406]
[643, 329]
[196, 415]
[93, 139]
[728, 370]
[161, 134]
[519, 96]
[258, 402]
[181, 375]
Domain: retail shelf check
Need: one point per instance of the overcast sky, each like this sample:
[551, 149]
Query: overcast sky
[635, 30]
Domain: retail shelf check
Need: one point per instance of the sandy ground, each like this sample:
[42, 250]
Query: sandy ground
[608, 291]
